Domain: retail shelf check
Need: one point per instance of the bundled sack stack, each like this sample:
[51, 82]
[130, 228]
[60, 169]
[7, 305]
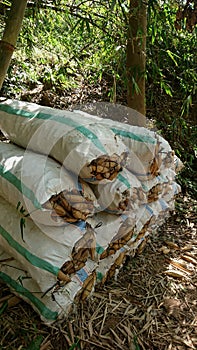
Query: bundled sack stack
[78, 194]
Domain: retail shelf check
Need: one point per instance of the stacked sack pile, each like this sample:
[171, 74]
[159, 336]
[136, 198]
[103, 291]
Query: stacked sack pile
[78, 194]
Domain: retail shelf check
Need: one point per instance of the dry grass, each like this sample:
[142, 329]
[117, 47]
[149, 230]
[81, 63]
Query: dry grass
[151, 306]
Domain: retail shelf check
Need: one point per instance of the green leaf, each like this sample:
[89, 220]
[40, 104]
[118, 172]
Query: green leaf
[113, 5]
[6, 2]
[35, 344]
[75, 345]
[167, 88]
[137, 347]
[4, 307]
[135, 87]
[171, 55]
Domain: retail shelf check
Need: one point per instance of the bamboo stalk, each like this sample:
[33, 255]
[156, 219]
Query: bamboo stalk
[10, 35]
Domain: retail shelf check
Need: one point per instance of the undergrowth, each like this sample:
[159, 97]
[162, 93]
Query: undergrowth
[64, 46]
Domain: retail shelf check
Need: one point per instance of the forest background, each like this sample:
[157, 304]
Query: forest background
[72, 52]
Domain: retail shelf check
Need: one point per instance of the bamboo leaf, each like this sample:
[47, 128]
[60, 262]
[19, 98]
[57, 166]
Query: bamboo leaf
[75, 345]
[35, 344]
[171, 55]
[137, 347]
[3, 307]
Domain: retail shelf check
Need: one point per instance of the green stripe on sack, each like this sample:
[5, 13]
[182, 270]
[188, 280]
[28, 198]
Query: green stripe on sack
[130, 135]
[44, 310]
[91, 136]
[6, 174]
[99, 249]
[31, 258]
[123, 180]
[63, 120]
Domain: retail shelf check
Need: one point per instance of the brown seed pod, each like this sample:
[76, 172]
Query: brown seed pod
[88, 286]
[125, 231]
[79, 265]
[78, 214]
[118, 168]
[84, 208]
[69, 219]
[47, 205]
[67, 267]
[99, 169]
[77, 256]
[124, 234]
[109, 251]
[106, 169]
[142, 246]
[152, 198]
[154, 167]
[81, 256]
[62, 277]
[82, 242]
[107, 166]
[90, 241]
[106, 175]
[59, 210]
[85, 246]
[111, 164]
[113, 176]
[143, 230]
[117, 264]
[74, 198]
[65, 204]
[92, 249]
[99, 177]
[54, 198]
[123, 205]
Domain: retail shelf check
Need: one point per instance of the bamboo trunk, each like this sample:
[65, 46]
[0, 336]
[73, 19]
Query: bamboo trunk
[136, 56]
[11, 32]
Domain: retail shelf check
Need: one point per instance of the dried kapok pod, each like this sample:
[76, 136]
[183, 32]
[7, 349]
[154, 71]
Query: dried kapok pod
[142, 246]
[107, 167]
[87, 242]
[87, 287]
[71, 206]
[116, 265]
[124, 234]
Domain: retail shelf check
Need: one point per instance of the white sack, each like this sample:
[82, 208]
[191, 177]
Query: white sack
[116, 196]
[42, 252]
[64, 135]
[111, 229]
[143, 145]
[31, 179]
[51, 307]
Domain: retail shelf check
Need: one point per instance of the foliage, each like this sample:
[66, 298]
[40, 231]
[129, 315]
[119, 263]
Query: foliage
[171, 58]
[65, 43]
[35, 344]
[171, 85]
